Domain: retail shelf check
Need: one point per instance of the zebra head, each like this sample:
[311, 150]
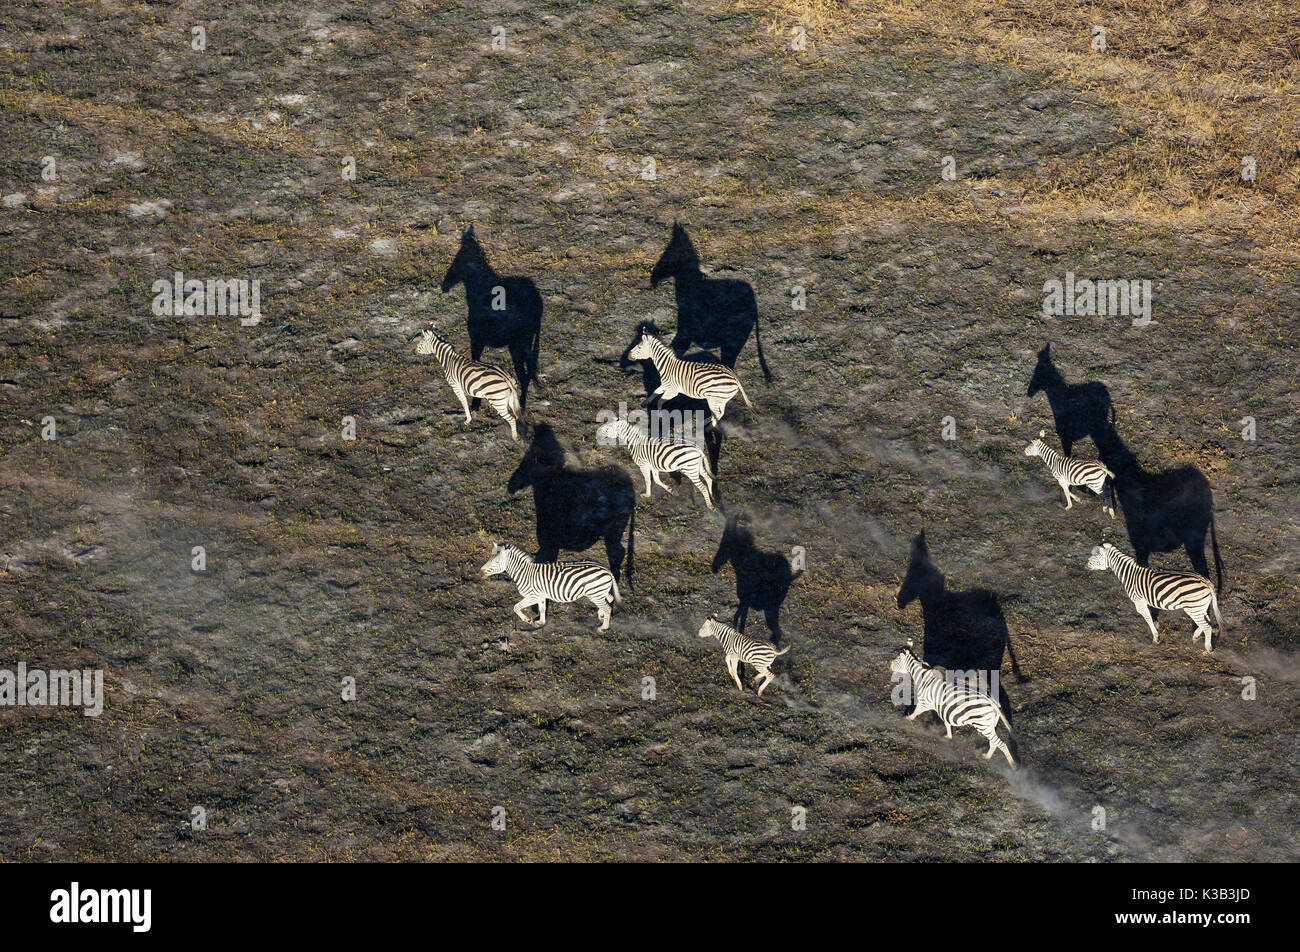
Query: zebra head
[1100, 558]
[901, 662]
[642, 350]
[499, 561]
[425, 345]
[710, 627]
[609, 434]
[1037, 446]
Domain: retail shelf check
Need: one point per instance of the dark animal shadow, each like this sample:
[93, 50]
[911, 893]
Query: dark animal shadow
[762, 578]
[1079, 410]
[712, 313]
[502, 311]
[1164, 510]
[964, 631]
[576, 508]
[680, 408]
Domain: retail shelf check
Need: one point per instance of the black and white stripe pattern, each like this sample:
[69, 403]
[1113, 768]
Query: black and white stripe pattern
[540, 582]
[469, 378]
[713, 383]
[1149, 588]
[1073, 472]
[958, 704]
[654, 457]
[740, 648]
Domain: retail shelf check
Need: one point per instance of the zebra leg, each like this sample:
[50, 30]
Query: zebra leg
[768, 677]
[602, 610]
[717, 408]
[918, 710]
[519, 609]
[464, 404]
[1202, 627]
[1145, 611]
[541, 613]
[732, 664]
[948, 728]
[708, 500]
[659, 482]
[645, 474]
[1066, 489]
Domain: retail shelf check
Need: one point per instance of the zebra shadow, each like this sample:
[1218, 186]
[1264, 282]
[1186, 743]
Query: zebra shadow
[576, 508]
[964, 631]
[762, 578]
[502, 311]
[1079, 410]
[680, 407]
[712, 313]
[1164, 510]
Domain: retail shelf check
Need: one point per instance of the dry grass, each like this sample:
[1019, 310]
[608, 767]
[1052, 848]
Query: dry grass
[1203, 85]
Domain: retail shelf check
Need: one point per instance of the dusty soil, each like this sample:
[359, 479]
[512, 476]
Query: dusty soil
[331, 559]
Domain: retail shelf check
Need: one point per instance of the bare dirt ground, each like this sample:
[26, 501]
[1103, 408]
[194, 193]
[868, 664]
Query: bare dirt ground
[820, 168]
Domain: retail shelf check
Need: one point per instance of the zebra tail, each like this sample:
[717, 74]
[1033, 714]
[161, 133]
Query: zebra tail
[743, 394]
[783, 651]
[1214, 601]
[618, 597]
[1003, 718]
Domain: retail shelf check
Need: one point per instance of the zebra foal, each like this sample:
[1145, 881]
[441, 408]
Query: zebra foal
[715, 384]
[469, 378]
[1069, 471]
[654, 457]
[740, 648]
[957, 704]
[540, 582]
[1149, 588]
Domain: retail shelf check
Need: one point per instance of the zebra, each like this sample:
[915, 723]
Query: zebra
[655, 456]
[1149, 588]
[742, 648]
[539, 582]
[470, 378]
[714, 383]
[1073, 472]
[958, 704]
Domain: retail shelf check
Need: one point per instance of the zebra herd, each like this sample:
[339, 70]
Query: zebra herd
[957, 703]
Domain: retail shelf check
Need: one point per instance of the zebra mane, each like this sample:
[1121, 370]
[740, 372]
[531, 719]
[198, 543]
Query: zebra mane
[907, 650]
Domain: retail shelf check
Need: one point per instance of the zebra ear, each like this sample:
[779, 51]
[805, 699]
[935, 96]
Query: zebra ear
[1041, 434]
[909, 642]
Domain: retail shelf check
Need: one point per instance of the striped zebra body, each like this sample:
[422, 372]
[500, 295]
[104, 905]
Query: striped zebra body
[1069, 471]
[1172, 591]
[957, 704]
[740, 648]
[469, 379]
[540, 582]
[654, 457]
[714, 383]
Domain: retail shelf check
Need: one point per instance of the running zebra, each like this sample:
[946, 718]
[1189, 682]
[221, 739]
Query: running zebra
[958, 704]
[1148, 588]
[713, 383]
[469, 378]
[539, 582]
[741, 648]
[1073, 472]
[661, 456]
